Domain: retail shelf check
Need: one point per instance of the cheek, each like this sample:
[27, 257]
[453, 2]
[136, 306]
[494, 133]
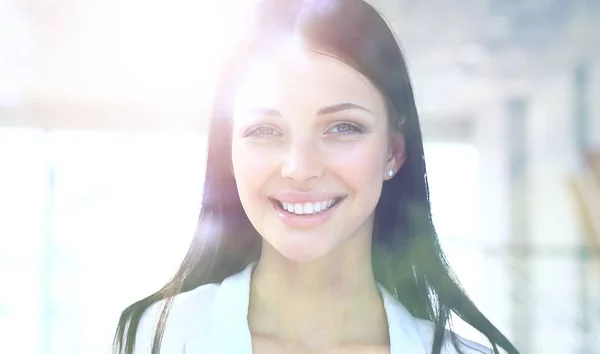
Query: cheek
[364, 161]
[244, 159]
[250, 167]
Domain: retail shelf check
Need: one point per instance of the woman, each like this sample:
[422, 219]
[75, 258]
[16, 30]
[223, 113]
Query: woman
[315, 234]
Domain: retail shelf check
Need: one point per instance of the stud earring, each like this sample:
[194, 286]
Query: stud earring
[390, 173]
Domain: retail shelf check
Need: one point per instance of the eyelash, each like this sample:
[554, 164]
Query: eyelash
[357, 129]
[252, 132]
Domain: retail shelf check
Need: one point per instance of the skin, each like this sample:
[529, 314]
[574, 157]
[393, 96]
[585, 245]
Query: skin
[313, 290]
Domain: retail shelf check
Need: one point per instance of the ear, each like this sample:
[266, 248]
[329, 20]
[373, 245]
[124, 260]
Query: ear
[397, 155]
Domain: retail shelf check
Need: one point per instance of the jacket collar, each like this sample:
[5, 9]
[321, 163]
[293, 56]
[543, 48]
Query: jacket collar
[231, 335]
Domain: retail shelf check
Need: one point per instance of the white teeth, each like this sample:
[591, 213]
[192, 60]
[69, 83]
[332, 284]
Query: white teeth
[307, 208]
[298, 209]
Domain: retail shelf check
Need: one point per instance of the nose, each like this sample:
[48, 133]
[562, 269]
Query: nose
[302, 161]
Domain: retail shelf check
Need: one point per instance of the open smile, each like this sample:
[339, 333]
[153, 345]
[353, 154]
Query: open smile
[308, 208]
[307, 214]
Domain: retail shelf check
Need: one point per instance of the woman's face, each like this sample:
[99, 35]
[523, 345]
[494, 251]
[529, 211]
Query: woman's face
[310, 151]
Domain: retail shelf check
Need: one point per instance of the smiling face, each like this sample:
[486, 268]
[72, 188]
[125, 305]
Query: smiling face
[310, 151]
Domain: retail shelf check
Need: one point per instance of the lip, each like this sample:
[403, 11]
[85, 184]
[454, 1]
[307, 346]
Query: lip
[304, 221]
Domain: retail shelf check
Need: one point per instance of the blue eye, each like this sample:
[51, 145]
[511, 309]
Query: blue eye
[346, 128]
[262, 132]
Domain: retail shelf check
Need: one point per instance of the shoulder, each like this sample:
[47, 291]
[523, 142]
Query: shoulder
[191, 314]
[426, 329]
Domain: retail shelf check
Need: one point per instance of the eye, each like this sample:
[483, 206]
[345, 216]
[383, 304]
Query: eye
[262, 131]
[346, 128]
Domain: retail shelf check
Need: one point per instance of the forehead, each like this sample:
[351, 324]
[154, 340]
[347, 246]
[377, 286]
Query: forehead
[298, 76]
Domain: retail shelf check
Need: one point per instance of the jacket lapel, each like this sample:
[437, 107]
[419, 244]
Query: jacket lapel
[404, 334]
[230, 333]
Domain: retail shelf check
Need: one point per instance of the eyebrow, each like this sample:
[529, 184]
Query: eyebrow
[341, 107]
[323, 111]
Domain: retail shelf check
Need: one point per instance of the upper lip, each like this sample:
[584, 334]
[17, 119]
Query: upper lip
[305, 197]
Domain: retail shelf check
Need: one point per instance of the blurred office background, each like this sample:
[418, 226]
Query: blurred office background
[103, 108]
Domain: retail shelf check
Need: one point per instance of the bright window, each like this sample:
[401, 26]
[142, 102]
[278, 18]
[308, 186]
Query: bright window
[92, 221]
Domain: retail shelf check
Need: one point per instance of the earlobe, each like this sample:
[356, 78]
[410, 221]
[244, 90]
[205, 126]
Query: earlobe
[397, 156]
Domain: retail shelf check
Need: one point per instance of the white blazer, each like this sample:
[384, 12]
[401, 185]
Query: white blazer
[213, 319]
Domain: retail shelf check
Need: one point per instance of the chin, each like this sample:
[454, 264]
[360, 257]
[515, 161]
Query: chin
[301, 253]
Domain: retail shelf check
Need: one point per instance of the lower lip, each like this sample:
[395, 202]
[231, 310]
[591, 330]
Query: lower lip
[306, 220]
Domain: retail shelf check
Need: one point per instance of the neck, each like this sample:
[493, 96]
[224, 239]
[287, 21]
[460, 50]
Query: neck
[321, 303]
